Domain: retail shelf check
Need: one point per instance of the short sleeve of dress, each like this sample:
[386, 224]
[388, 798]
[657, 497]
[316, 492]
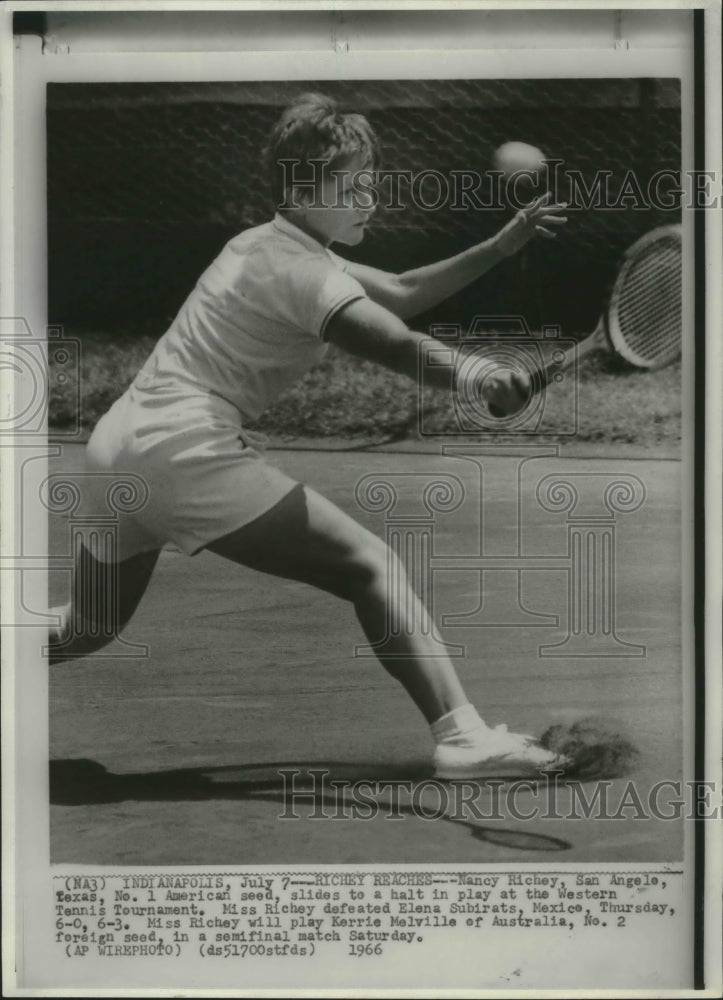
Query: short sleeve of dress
[313, 288]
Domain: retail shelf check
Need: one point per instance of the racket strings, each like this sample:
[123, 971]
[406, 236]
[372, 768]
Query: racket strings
[646, 311]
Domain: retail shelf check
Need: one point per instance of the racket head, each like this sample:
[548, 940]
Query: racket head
[644, 316]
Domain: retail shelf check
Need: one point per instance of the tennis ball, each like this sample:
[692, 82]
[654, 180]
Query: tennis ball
[511, 157]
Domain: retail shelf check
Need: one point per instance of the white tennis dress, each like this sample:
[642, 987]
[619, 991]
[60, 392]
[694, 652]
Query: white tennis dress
[252, 326]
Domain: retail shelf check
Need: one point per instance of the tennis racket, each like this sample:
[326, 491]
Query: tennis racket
[643, 320]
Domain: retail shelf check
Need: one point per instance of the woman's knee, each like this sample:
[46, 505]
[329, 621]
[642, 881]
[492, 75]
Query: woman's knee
[370, 571]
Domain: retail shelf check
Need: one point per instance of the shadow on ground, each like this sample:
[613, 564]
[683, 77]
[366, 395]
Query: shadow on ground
[83, 782]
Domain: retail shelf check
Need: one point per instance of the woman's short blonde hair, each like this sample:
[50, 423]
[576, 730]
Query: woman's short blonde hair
[313, 128]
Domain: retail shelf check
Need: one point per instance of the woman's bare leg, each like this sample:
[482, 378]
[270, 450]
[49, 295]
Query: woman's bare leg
[103, 599]
[306, 537]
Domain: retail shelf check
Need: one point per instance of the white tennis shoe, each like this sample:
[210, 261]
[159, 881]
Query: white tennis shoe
[61, 635]
[58, 633]
[495, 753]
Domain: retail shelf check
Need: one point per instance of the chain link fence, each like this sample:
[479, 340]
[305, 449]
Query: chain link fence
[146, 182]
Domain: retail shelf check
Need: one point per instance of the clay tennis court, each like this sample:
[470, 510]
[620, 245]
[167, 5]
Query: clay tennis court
[174, 758]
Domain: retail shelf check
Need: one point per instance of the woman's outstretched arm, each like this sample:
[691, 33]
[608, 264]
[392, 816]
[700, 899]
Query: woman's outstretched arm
[412, 292]
[368, 330]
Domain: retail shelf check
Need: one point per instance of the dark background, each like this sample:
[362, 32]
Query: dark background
[146, 182]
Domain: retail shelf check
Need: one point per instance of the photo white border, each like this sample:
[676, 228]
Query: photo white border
[19, 775]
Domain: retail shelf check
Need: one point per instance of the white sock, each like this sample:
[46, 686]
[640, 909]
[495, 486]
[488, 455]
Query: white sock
[58, 633]
[459, 727]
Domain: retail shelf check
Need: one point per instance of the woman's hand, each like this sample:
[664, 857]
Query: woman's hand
[540, 216]
[506, 392]
[500, 389]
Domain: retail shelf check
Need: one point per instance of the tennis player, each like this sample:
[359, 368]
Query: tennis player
[261, 316]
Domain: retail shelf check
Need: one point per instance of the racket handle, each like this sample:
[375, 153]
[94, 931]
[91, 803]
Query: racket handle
[578, 353]
[561, 360]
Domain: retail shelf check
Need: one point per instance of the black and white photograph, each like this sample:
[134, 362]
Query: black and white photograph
[361, 530]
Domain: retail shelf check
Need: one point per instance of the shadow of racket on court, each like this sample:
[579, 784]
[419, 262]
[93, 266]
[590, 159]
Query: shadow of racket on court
[80, 782]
